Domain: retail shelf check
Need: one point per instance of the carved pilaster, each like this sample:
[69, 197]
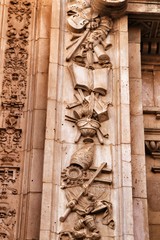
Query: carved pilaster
[87, 187]
[13, 97]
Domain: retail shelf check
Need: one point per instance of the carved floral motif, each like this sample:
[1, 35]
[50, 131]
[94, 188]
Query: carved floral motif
[7, 221]
[16, 54]
[14, 87]
[8, 176]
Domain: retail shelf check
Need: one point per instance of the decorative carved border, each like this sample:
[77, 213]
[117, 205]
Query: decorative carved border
[14, 87]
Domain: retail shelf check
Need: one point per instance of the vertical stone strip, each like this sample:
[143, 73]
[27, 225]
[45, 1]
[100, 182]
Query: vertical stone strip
[51, 167]
[13, 100]
[122, 155]
[24, 40]
[137, 138]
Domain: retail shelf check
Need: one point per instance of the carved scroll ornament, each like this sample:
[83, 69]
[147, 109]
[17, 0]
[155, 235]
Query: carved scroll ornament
[16, 54]
[13, 97]
[7, 221]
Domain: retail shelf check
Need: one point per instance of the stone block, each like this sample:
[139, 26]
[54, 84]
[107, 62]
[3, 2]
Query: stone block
[44, 21]
[52, 80]
[45, 235]
[140, 219]
[123, 24]
[123, 48]
[126, 152]
[157, 88]
[124, 85]
[48, 161]
[25, 180]
[116, 159]
[54, 46]
[56, 14]
[51, 119]
[127, 211]
[134, 35]
[126, 174]
[106, 152]
[148, 88]
[33, 221]
[41, 90]
[139, 176]
[154, 231]
[39, 123]
[137, 135]
[42, 55]
[125, 123]
[36, 168]
[134, 60]
[136, 96]
[46, 207]
[128, 237]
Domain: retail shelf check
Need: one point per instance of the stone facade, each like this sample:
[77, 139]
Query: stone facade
[79, 123]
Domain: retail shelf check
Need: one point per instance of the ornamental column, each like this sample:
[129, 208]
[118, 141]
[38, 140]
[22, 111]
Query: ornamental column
[87, 183]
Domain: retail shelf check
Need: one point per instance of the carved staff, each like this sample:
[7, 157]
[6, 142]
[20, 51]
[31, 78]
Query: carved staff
[73, 202]
[77, 44]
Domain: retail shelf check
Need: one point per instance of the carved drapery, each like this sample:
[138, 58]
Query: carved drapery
[13, 96]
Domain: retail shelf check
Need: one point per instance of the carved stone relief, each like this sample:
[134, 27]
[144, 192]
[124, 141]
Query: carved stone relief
[14, 87]
[87, 195]
[16, 55]
[7, 221]
[8, 176]
[87, 188]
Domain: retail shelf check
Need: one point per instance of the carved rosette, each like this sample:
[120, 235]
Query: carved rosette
[13, 97]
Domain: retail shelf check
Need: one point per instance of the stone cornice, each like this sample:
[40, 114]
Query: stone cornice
[143, 7]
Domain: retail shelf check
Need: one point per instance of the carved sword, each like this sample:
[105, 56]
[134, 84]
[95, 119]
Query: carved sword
[73, 202]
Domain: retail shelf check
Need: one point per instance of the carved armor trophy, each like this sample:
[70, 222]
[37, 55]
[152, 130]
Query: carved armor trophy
[89, 23]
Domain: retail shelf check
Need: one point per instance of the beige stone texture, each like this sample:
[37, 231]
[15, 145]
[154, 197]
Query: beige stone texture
[141, 229]
[48, 139]
[137, 138]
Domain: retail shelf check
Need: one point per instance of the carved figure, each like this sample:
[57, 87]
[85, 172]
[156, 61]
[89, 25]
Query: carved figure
[82, 199]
